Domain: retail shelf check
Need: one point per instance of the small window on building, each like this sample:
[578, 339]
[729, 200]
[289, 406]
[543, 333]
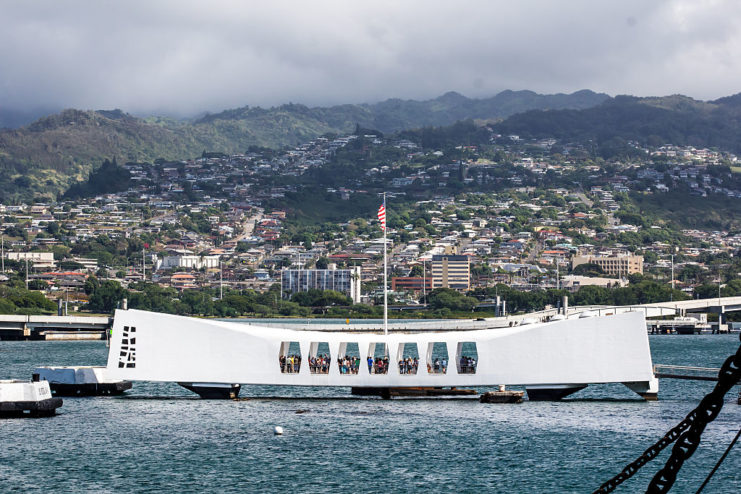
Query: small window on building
[466, 357]
[437, 357]
[290, 357]
[348, 359]
[319, 359]
[408, 358]
[378, 358]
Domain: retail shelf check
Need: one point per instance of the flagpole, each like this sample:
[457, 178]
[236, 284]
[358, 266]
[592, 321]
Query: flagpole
[385, 281]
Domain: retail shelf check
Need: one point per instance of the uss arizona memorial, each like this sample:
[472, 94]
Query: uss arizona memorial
[550, 359]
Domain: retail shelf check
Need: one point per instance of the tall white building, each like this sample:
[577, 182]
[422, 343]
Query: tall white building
[345, 281]
[188, 262]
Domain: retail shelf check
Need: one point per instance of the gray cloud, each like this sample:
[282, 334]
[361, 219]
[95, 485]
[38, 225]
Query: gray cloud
[189, 56]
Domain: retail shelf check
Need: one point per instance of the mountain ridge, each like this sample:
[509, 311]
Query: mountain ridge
[48, 156]
[652, 121]
[61, 149]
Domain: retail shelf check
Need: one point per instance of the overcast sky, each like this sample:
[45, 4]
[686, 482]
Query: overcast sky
[183, 57]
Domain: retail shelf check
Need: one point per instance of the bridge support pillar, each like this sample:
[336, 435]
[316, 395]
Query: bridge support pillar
[722, 325]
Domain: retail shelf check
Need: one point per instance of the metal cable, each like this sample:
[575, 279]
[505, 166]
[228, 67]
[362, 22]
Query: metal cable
[715, 468]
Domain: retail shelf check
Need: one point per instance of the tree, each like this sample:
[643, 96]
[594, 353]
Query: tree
[588, 269]
[91, 284]
[446, 298]
[106, 297]
[108, 178]
[38, 285]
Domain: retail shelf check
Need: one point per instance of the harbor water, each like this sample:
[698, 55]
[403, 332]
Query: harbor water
[160, 437]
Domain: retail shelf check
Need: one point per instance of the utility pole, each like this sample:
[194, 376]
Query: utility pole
[720, 279]
[720, 306]
[144, 265]
[27, 274]
[221, 280]
[671, 294]
[3, 254]
[424, 282]
[298, 275]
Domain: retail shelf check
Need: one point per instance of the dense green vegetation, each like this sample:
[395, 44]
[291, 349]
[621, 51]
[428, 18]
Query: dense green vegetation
[17, 300]
[107, 179]
[692, 211]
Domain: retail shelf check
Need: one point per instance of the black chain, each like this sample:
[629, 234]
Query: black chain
[707, 411]
[688, 433]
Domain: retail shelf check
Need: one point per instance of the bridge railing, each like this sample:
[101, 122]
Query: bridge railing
[686, 372]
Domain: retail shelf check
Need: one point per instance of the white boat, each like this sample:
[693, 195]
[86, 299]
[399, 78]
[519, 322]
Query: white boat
[550, 359]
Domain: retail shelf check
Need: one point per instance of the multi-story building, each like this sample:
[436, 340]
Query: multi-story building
[188, 262]
[451, 271]
[38, 260]
[411, 283]
[620, 265]
[345, 281]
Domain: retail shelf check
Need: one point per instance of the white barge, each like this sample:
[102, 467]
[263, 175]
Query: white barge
[550, 360]
[80, 381]
[27, 399]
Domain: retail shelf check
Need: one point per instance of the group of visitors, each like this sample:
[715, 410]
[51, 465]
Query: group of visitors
[468, 365]
[408, 365]
[378, 365]
[319, 364]
[290, 364]
[438, 366]
[348, 364]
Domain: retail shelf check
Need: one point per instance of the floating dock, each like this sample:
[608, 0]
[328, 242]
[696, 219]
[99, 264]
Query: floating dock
[502, 396]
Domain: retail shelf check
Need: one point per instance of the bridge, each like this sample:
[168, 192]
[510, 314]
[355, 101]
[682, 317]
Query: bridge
[715, 305]
[14, 327]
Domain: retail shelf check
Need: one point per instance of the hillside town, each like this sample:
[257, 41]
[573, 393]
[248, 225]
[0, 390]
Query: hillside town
[531, 215]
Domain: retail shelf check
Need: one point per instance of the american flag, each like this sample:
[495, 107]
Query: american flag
[382, 216]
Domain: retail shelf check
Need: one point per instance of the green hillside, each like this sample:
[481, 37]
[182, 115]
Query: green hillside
[674, 120]
[44, 158]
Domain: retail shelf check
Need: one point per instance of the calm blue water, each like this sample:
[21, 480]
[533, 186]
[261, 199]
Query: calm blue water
[159, 438]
